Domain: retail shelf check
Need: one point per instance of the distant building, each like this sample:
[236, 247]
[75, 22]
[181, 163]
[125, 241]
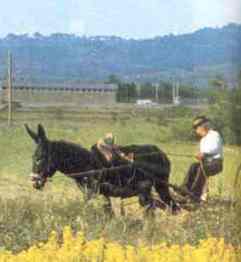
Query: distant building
[145, 102]
[83, 94]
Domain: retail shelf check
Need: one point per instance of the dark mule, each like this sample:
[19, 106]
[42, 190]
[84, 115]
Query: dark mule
[148, 170]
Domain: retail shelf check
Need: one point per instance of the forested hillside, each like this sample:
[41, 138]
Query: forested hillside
[58, 57]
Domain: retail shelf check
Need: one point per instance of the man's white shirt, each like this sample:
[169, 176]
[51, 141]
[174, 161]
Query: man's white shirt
[212, 145]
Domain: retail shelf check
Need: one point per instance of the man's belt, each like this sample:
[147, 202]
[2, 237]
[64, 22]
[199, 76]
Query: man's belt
[210, 159]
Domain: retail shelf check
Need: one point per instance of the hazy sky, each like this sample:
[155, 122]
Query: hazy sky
[126, 18]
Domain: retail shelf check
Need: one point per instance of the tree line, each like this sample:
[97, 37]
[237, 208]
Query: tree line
[161, 92]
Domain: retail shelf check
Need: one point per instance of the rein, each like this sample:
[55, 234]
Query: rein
[167, 153]
[99, 172]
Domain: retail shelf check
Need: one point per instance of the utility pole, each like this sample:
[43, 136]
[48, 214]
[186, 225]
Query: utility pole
[175, 93]
[157, 92]
[9, 88]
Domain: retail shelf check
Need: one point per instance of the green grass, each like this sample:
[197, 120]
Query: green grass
[27, 216]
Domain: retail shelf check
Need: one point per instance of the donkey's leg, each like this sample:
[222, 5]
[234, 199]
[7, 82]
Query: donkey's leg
[144, 193]
[145, 197]
[109, 190]
[87, 194]
[122, 208]
[108, 207]
[163, 192]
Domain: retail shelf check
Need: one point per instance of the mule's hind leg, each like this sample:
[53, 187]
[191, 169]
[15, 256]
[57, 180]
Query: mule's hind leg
[146, 199]
[144, 193]
[121, 192]
[108, 207]
[163, 192]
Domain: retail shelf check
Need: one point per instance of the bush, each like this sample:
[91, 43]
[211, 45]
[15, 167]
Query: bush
[235, 112]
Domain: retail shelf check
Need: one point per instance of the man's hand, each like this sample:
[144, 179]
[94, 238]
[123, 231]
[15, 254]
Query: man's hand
[200, 156]
[129, 157]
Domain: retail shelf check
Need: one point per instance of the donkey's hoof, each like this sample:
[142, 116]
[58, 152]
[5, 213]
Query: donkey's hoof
[176, 210]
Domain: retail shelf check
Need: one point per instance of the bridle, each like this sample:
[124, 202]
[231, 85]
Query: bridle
[38, 180]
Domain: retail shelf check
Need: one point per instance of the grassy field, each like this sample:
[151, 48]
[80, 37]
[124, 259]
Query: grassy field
[28, 216]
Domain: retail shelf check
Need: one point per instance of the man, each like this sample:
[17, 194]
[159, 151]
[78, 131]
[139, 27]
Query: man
[210, 159]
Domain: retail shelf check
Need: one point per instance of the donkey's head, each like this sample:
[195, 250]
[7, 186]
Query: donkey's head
[43, 165]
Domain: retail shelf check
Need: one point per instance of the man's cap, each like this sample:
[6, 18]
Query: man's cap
[198, 121]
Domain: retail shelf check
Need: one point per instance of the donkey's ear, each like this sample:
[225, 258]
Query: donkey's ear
[41, 133]
[31, 133]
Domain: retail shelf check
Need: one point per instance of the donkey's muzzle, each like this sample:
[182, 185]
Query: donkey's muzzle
[37, 181]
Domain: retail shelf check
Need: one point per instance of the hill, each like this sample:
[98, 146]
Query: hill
[193, 57]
